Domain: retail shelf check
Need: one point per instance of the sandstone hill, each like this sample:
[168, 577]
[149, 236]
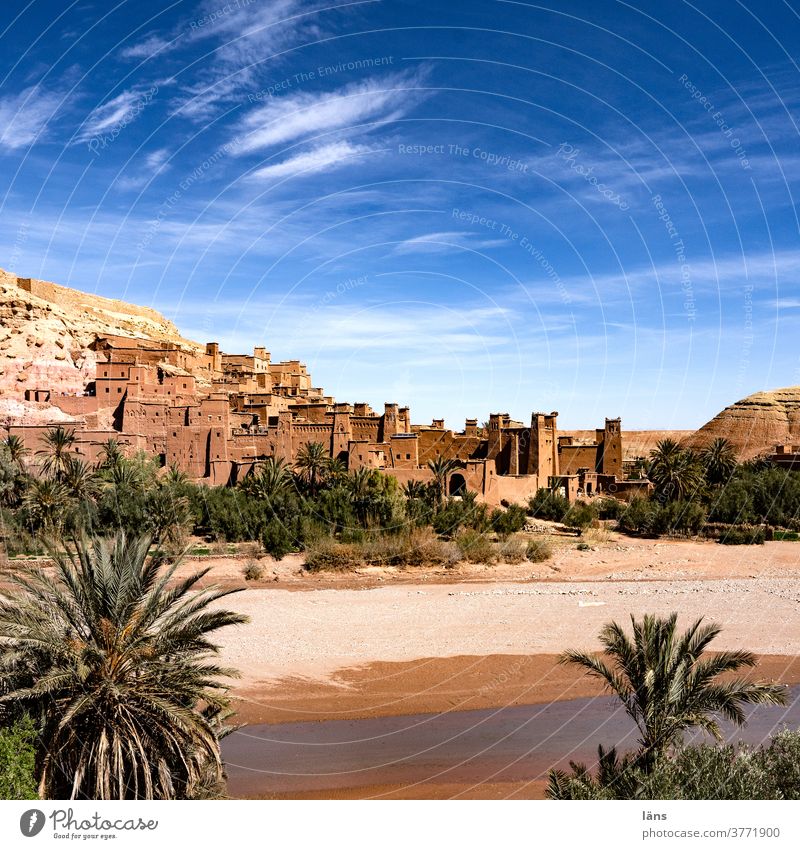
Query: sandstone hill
[755, 424]
[46, 331]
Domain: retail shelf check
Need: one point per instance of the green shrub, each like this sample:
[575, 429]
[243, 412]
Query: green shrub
[580, 515]
[508, 521]
[538, 550]
[476, 547]
[548, 505]
[277, 539]
[743, 535]
[18, 760]
[584, 546]
[679, 517]
[609, 508]
[639, 517]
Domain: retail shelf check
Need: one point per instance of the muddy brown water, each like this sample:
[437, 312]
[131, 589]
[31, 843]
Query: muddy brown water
[512, 744]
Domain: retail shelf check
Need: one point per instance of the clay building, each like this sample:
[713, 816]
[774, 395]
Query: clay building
[215, 416]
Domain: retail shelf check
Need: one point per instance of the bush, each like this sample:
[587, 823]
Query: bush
[476, 547]
[609, 508]
[17, 760]
[679, 517]
[639, 517]
[538, 550]
[513, 550]
[743, 535]
[508, 521]
[253, 571]
[580, 515]
[584, 546]
[277, 539]
[548, 505]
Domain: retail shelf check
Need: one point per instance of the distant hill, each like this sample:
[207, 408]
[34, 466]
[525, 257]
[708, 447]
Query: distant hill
[46, 331]
[755, 424]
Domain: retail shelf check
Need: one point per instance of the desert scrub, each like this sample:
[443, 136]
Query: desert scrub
[325, 553]
[538, 550]
[513, 550]
[253, 571]
[417, 547]
[476, 547]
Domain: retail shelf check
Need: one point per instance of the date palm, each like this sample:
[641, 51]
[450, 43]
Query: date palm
[15, 450]
[675, 473]
[111, 454]
[312, 463]
[719, 461]
[441, 468]
[47, 502]
[669, 684]
[80, 479]
[271, 480]
[112, 656]
[58, 443]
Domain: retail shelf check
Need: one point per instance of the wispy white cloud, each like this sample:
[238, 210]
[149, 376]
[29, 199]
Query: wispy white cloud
[148, 47]
[304, 115]
[120, 110]
[324, 158]
[24, 117]
[445, 241]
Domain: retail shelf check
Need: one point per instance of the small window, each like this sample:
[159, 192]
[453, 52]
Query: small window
[119, 390]
[408, 456]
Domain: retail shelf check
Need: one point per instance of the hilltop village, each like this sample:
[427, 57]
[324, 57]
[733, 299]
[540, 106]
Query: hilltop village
[215, 416]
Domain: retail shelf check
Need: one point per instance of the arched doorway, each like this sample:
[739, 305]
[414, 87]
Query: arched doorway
[458, 485]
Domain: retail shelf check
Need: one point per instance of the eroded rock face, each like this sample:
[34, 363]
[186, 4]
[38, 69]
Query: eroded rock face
[46, 332]
[755, 424]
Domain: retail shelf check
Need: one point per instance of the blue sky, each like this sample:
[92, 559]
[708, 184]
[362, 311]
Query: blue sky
[467, 207]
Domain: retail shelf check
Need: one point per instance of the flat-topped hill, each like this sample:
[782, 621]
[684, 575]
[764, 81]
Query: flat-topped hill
[755, 424]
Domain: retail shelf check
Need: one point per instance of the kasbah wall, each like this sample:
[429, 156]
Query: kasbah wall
[215, 416]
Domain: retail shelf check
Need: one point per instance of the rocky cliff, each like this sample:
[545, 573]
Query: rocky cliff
[46, 332]
[755, 424]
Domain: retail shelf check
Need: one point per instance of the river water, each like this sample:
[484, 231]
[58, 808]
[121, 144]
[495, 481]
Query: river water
[512, 744]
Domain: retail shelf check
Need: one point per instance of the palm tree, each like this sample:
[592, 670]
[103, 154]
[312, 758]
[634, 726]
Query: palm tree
[668, 684]
[272, 479]
[312, 462]
[80, 479]
[441, 469]
[112, 454]
[58, 442]
[15, 449]
[47, 502]
[675, 473]
[111, 655]
[337, 470]
[719, 461]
